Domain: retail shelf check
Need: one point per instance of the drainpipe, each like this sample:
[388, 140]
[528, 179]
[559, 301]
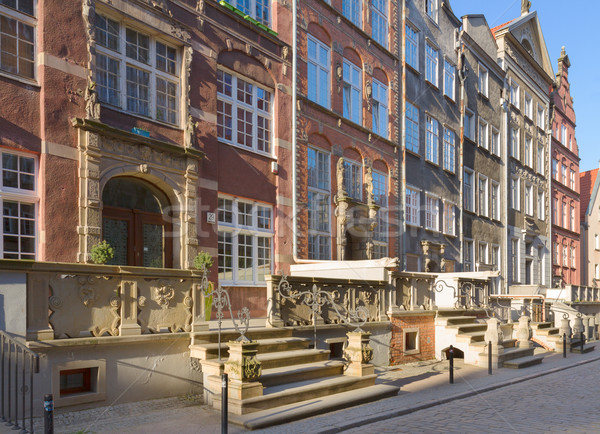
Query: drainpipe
[294, 129]
[505, 185]
[402, 201]
[462, 75]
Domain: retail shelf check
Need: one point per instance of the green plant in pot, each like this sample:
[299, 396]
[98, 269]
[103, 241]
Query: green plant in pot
[203, 261]
[102, 252]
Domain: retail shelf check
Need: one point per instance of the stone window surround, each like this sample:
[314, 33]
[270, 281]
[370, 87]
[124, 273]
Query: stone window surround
[98, 382]
[405, 332]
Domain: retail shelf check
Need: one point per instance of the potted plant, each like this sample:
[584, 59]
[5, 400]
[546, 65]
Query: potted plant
[101, 253]
[203, 261]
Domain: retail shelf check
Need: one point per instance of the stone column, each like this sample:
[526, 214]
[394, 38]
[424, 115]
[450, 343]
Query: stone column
[359, 353]
[524, 332]
[244, 370]
[495, 335]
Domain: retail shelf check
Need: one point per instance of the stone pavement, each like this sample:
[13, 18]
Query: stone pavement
[557, 388]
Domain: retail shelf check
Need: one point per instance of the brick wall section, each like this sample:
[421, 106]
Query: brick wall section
[425, 322]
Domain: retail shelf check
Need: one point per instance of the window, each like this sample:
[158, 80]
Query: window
[573, 218]
[483, 253]
[353, 179]
[495, 200]
[469, 190]
[449, 74]
[380, 109]
[431, 8]
[432, 140]
[137, 72]
[565, 261]
[412, 128]
[541, 265]
[483, 81]
[449, 150]
[541, 117]
[555, 169]
[515, 193]
[257, 9]
[352, 92]
[469, 126]
[514, 259]
[563, 134]
[556, 255]
[596, 271]
[495, 148]
[412, 47]
[528, 107]
[318, 72]
[449, 218]
[75, 381]
[319, 235]
[17, 31]
[380, 233]
[540, 159]
[379, 21]
[352, 9]
[529, 199]
[573, 258]
[483, 196]
[563, 173]
[19, 202]
[483, 134]
[554, 211]
[528, 152]
[564, 221]
[468, 255]
[245, 234]
[515, 152]
[572, 176]
[431, 212]
[541, 205]
[243, 113]
[514, 94]
[431, 64]
[412, 206]
[495, 257]
[597, 242]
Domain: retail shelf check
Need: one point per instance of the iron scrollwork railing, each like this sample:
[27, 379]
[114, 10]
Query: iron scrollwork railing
[10, 368]
[222, 301]
[316, 298]
[466, 295]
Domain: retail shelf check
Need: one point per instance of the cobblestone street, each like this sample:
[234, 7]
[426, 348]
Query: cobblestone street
[565, 401]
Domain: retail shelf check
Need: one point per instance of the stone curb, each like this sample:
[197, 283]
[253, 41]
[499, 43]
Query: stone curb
[396, 413]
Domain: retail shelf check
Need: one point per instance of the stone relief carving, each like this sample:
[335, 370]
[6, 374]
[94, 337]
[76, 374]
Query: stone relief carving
[144, 152]
[180, 32]
[340, 172]
[369, 186]
[163, 294]
[158, 4]
[92, 105]
[526, 66]
[201, 6]
[190, 128]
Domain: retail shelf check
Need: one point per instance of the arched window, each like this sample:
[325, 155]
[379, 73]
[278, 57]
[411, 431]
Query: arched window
[133, 223]
[352, 77]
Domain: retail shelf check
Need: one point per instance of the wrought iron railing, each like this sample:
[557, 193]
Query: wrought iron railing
[17, 366]
[467, 295]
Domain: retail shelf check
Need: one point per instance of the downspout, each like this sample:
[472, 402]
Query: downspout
[294, 130]
[462, 75]
[402, 201]
[505, 185]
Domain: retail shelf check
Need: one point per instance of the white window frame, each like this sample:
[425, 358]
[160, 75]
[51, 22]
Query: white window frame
[255, 232]
[353, 179]
[563, 174]
[541, 117]
[449, 79]
[449, 218]
[528, 152]
[483, 195]
[572, 180]
[515, 139]
[21, 18]
[483, 247]
[515, 94]
[495, 142]
[380, 108]
[495, 256]
[563, 134]
[319, 187]
[318, 83]
[555, 174]
[469, 124]
[572, 215]
[468, 255]
[251, 8]
[469, 190]
[596, 242]
[352, 9]
[20, 196]
[529, 199]
[432, 139]
[541, 205]
[413, 206]
[412, 128]
[432, 60]
[495, 202]
[261, 122]
[528, 106]
[412, 47]
[515, 193]
[515, 246]
[125, 63]
[449, 150]
[573, 257]
[484, 134]
[379, 23]
[352, 92]
[483, 78]
[432, 212]
[540, 160]
[431, 9]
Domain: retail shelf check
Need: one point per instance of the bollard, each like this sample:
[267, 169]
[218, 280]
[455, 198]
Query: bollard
[490, 357]
[564, 345]
[48, 414]
[451, 360]
[224, 404]
[582, 342]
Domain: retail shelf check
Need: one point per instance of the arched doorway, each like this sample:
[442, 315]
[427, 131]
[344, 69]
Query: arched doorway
[133, 223]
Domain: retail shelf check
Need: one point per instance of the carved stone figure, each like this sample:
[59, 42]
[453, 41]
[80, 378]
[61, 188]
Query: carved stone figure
[92, 106]
[189, 131]
[369, 186]
[340, 173]
[525, 6]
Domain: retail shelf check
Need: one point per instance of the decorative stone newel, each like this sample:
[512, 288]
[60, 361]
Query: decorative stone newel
[243, 369]
[359, 353]
[495, 335]
[578, 326]
[565, 329]
[524, 332]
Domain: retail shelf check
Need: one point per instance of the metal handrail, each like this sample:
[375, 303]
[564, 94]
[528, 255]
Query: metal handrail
[7, 343]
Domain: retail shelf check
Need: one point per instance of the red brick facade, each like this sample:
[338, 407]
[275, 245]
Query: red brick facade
[401, 323]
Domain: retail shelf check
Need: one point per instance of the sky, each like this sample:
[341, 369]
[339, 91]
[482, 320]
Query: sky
[573, 26]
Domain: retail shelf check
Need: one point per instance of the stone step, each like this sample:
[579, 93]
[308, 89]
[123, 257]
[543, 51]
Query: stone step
[455, 320]
[515, 353]
[541, 325]
[297, 392]
[212, 336]
[210, 350]
[547, 331]
[587, 348]
[522, 362]
[313, 407]
[471, 337]
[467, 328]
[290, 358]
[291, 374]
[509, 343]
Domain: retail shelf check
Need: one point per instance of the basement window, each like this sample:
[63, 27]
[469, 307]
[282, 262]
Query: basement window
[78, 382]
[411, 341]
[75, 381]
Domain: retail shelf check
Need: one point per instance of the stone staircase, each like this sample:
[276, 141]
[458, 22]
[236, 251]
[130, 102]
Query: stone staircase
[296, 381]
[466, 331]
[549, 337]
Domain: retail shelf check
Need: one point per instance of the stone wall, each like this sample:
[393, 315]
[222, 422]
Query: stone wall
[403, 323]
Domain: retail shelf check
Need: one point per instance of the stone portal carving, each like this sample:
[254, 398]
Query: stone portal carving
[433, 256]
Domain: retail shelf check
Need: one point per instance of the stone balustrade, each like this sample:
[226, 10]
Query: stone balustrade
[80, 300]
